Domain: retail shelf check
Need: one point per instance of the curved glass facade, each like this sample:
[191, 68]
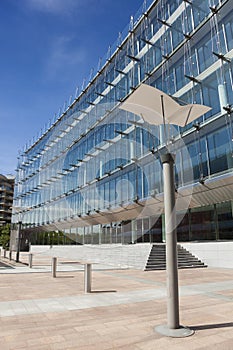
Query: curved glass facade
[96, 173]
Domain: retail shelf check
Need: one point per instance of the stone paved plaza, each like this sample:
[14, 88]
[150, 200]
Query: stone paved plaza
[41, 312]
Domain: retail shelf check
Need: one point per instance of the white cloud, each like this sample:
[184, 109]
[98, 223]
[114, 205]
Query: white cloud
[64, 57]
[53, 6]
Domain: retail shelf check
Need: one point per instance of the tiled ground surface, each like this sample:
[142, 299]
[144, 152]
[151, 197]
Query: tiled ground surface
[40, 312]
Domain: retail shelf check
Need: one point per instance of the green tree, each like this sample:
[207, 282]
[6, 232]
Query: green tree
[5, 231]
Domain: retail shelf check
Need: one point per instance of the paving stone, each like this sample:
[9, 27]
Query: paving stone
[39, 312]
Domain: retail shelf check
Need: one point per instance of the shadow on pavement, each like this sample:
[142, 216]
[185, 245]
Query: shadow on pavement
[211, 326]
[103, 291]
[5, 266]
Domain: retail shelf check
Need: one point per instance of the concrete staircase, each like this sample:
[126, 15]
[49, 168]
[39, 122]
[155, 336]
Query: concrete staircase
[157, 258]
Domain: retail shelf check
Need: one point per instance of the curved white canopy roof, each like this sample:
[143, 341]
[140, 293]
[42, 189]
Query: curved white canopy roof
[156, 107]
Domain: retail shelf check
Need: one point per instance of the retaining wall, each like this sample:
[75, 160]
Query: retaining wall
[214, 254]
[132, 256]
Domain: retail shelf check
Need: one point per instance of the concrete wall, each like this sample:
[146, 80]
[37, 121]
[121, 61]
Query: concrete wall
[117, 255]
[214, 254]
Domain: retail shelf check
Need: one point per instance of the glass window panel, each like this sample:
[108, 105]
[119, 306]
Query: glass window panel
[218, 144]
[229, 33]
[203, 226]
[225, 220]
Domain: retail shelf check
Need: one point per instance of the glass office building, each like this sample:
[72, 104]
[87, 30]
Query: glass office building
[95, 174]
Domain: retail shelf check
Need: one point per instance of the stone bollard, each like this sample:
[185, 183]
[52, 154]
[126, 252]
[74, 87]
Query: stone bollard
[30, 260]
[54, 267]
[87, 278]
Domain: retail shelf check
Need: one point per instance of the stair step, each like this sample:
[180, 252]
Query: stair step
[190, 258]
[163, 267]
[187, 263]
[179, 257]
[157, 259]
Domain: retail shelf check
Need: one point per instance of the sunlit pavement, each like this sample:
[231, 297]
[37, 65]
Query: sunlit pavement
[41, 312]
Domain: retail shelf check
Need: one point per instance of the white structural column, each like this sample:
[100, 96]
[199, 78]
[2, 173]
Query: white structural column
[133, 231]
[132, 149]
[101, 169]
[161, 134]
[222, 96]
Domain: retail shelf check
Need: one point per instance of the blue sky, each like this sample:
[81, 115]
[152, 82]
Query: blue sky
[47, 48]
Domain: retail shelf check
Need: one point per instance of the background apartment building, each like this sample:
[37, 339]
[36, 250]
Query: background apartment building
[6, 198]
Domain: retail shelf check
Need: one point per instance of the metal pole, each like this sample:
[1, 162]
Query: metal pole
[54, 267]
[173, 327]
[171, 242]
[18, 241]
[87, 278]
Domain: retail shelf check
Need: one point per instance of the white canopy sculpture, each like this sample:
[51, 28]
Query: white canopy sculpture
[157, 108]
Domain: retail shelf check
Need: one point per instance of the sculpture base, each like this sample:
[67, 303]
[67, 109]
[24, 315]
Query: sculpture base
[180, 332]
